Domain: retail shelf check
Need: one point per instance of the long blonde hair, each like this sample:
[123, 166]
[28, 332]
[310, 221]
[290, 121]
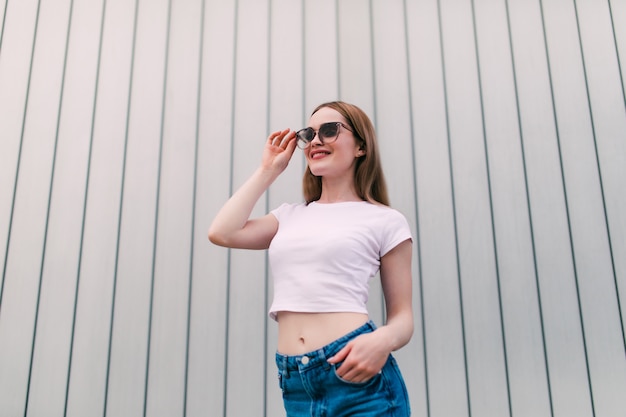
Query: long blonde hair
[369, 179]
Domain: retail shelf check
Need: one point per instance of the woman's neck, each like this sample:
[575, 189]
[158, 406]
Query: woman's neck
[338, 192]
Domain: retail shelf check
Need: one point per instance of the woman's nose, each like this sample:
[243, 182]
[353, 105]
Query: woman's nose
[316, 139]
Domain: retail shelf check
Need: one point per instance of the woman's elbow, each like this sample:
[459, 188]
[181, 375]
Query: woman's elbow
[216, 237]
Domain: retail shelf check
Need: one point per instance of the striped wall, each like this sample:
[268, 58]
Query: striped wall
[124, 125]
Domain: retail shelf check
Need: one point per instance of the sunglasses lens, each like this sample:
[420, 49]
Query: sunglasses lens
[329, 130]
[304, 137]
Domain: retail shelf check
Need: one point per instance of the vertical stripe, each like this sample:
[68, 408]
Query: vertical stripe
[418, 245]
[120, 209]
[19, 154]
[193, 205]
[82, 228]
[619, 61]
[230, 192]
[52, 171]
[529, 210]
[599, 167]
[157, 199]
[569, 224]
[454, 210]
[4, 20]
[491, 214]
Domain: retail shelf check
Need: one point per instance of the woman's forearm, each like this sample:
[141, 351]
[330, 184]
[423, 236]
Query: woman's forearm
[399, 329]
[232, 226]
[235, 213]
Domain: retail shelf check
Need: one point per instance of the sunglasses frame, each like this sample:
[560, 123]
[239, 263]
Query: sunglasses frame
[306, 143]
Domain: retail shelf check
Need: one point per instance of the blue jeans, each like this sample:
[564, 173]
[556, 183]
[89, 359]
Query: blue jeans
[312, 388]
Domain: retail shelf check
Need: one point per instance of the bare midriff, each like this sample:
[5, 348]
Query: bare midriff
[299, 333]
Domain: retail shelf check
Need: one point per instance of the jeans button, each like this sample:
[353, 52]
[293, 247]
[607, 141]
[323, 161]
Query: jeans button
[305, 360]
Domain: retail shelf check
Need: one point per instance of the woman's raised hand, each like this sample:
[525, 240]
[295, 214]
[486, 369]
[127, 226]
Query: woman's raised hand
[278, 150]
[232, 227]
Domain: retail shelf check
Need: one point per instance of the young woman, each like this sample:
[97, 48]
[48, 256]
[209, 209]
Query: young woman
[332, 360]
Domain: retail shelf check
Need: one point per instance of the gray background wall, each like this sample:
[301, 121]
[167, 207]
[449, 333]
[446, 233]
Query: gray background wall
[124, 125]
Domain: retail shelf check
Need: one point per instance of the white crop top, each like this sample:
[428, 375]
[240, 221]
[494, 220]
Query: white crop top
[323, 255]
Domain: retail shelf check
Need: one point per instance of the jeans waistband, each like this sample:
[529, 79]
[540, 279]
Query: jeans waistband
[320, 356]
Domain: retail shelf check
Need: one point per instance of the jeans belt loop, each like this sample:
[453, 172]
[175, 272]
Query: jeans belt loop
[324, 360]
[285, 367]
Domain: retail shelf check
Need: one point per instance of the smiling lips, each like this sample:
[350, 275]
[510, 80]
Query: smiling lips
[320, 153]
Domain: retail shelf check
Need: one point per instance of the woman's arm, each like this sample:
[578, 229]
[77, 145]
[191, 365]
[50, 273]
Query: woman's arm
[232, 226]
[365, 355]
[397, 283]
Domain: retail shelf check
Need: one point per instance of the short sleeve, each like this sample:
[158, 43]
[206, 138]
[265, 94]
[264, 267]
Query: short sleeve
[395, 230]
[278, 211]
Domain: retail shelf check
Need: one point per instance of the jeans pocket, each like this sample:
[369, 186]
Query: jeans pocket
[355, 384]
[400, 386]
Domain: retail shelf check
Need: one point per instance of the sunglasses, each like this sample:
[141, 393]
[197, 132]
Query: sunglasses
[327, 133]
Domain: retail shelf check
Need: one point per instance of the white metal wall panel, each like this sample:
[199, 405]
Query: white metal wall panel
[169, 312]
[128, 379]
[55, 313]
[565, 366]
[16, 53]
[98, 257]
[206, 389]
[478, 280]
[22, 275]
[247, 314]
[444, 357]
[606, 99]
[125, 125]
[526, 373]
[593, 268]
[321, 54]
[356, 63]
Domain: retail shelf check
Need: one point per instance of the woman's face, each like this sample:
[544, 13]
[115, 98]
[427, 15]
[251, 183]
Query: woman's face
[332, 159]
